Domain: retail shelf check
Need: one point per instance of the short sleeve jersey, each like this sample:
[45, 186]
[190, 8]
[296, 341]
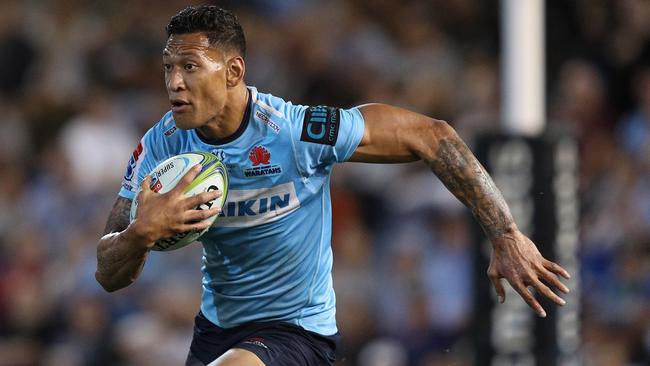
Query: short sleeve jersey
[268, 256]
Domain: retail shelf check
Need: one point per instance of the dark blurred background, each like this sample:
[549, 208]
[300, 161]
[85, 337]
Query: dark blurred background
[80, 82]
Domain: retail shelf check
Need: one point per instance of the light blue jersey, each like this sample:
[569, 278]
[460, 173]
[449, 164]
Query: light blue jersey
[268, 256]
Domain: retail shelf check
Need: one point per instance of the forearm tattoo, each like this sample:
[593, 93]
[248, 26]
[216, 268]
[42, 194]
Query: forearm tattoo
[118, 219]
[118, 263]
[464, 176]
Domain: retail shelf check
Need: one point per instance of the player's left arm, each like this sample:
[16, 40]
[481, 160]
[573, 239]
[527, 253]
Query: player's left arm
[394, 135]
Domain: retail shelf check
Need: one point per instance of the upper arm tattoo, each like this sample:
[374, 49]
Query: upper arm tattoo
[118, 219]
[464, 176]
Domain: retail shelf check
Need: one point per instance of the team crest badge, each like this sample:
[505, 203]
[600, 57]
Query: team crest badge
[260, 158]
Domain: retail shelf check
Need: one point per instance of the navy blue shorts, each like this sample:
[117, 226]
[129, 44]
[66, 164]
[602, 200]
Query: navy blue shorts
[275, 343]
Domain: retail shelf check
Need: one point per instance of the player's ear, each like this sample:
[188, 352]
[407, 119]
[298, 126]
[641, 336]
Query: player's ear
[236, 70]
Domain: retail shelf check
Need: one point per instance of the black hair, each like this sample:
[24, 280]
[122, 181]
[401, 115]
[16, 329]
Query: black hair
[220, 26]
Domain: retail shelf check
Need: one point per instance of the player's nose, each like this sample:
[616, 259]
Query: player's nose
[175, 81]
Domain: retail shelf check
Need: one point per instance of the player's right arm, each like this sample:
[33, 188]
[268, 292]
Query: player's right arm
[122, 251]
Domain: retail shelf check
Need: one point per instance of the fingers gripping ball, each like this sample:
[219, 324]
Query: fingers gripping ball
[165, 177]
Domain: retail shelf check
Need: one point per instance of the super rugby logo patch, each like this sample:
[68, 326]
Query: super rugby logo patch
[321, 125]
[130, 176]
[260, 158]
[133, 161]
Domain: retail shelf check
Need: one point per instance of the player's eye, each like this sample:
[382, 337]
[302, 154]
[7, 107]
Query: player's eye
[190, 67]
[167, 67]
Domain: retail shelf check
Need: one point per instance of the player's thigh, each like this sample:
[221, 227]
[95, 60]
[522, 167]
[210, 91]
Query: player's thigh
[237, 357]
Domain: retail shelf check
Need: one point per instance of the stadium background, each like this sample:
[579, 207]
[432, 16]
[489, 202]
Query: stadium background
[80, 81]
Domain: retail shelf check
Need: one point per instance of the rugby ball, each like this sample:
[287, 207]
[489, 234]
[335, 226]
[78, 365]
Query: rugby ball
[167, 174]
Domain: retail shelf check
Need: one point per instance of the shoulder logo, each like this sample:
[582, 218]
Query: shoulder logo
[267, 120]
[260, 158]
[321, 125]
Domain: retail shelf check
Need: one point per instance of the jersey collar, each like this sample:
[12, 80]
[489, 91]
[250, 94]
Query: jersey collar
[239, 132]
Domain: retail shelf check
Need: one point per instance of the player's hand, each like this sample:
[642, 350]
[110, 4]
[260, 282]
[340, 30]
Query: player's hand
[165, 215]
[517, 259]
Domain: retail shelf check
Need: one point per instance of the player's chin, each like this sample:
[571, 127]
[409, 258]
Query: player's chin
[185, 121]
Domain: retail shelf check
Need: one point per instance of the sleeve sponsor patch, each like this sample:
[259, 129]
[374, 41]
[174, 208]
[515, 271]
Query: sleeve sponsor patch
[321, 125]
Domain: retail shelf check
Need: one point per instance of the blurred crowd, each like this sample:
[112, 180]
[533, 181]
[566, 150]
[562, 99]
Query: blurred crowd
[80, 82]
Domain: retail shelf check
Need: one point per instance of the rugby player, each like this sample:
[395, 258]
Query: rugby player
[267, 287]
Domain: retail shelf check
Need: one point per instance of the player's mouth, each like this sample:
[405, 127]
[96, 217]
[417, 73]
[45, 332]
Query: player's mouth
[179, 105]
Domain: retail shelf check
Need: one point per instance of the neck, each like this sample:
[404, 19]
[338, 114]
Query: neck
[227, 123]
